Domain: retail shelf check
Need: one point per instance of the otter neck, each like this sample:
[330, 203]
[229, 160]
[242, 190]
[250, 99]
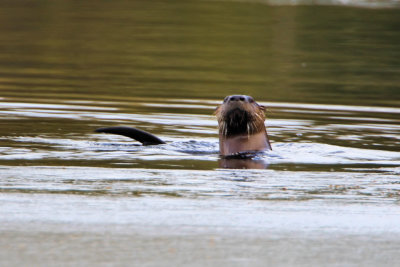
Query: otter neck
[229, 145]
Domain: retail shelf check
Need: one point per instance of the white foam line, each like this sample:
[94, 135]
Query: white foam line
[299, 106]
[176, 106]
[50, 106]
[333, 107]
[352, 3]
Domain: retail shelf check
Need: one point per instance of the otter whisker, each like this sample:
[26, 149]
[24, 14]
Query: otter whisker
[258, 116]
[224, 129]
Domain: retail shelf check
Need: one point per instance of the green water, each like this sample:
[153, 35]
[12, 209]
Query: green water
[199, 49]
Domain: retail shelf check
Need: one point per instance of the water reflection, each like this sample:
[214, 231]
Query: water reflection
[104, 51]
[242, 163]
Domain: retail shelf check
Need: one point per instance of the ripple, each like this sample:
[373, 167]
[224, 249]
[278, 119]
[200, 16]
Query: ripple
[236, 184]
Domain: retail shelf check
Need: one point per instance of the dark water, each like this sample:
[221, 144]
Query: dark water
[328, 74]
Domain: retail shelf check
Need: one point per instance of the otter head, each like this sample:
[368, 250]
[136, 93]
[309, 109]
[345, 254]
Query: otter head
[240, 114]
[241, 125]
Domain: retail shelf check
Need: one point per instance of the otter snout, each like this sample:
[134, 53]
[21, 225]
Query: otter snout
[239, 98]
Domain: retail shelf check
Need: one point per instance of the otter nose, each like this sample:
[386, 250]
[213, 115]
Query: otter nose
[237, 98]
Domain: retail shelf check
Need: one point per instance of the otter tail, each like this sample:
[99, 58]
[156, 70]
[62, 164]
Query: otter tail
[143, 137]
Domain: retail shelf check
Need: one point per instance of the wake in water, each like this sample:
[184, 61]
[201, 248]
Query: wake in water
[302, 135]
[282, 153]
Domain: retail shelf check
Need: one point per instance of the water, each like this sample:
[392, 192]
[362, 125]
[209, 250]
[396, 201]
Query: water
[328, 74]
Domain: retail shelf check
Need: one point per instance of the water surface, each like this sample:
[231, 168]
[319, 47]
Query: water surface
[328, 75]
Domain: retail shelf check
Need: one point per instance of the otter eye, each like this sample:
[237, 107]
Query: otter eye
[251, 100]
[226, 99]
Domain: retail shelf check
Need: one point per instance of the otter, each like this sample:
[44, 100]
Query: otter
[242, 132]
[241, 126]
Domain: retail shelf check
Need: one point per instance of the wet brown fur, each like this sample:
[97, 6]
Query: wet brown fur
[241, 127]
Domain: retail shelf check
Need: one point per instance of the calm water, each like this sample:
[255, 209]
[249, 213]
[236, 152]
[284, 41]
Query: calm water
[328, 74]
